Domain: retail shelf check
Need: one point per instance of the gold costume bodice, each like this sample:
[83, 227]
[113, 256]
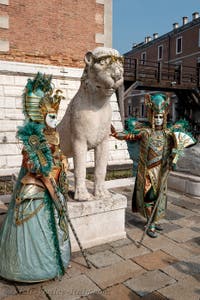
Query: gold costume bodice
[156, 147]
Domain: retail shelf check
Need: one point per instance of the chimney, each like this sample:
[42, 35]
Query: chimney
[134, 45]
[149, 39]
[185, 20]
[175, 25]
[146, 39]
[195, 15]
[155, 35]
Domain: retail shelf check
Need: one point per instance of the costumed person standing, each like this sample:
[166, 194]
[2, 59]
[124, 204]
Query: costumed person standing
[34, 239]
[160, 148]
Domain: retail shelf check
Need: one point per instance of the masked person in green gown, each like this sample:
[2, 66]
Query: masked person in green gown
[160, 148]
[34, 239]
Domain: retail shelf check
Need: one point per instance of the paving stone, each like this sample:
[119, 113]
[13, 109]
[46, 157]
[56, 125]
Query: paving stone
[137, 220]
[30, 288]
[182, 269]
[117, 292]
[103, 259]
[6, 289]
[157, 243]
[149, 282]
[175, 273]
[155, 260]
[171, 215]
[134, 233]
[26, 297]
[99, 248]
[193, 242]
[191, 205]
[117, 273]
[179, 291]
[179, 252]
[130, 251]
[121, 243]
[154, 296]
[188, 221]
[70, 289]
[181, 210]
[182, 235]
[77, 266]
[196, 229]
[168, 227]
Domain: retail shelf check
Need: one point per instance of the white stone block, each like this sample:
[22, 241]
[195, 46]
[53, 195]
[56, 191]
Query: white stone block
[14, 114]
[100, 1]
[6, 126]
[4, 22]
[8, 137]
[9, 149]
[20, 81]
[114, 106]
[184, 183]
[8, 171]
[4, 46]
[13, 91]
[2, 104]
[2, 162]
[98, 221]
[19, 102]
[5, 2]
[14, 160]
[117, 155]
[100, 38]
[193, 188]
[116, 116]
[115, 144]
[7, 80]
[74, 73]
[9, 102]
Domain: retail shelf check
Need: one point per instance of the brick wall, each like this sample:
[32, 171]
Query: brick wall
[50, 32]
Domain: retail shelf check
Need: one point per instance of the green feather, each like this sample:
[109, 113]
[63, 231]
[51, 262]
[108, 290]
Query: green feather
[24, 133]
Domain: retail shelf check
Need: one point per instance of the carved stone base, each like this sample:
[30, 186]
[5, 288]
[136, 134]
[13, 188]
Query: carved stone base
[98, 221]
[185, 183]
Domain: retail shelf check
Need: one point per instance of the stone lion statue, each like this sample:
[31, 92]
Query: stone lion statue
[86, 123]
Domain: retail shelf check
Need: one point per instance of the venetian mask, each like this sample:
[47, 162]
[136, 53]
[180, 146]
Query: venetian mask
[51, 120]
[158, 119]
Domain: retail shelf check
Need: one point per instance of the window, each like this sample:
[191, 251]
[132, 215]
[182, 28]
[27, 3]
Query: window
[178, 45]
[143, 58]
[160, 52]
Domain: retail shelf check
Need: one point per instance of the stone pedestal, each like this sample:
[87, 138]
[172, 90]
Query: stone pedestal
[98, 221]
[184, 183]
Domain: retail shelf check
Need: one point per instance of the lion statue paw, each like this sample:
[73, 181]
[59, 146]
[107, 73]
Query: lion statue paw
[81, 194]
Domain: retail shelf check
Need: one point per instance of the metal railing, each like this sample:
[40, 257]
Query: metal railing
[161, 73]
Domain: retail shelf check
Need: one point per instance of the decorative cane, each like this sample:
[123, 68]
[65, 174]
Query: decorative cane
[70, 223]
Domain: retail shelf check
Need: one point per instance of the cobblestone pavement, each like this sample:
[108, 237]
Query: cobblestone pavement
[167, 267]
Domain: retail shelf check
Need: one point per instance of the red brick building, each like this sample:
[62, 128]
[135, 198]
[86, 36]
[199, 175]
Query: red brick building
[178, 50]
[53, 32]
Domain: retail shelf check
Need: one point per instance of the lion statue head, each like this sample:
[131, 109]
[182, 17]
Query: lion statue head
[103, 70]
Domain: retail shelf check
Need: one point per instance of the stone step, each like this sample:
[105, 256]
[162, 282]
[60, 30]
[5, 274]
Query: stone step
[184, 183]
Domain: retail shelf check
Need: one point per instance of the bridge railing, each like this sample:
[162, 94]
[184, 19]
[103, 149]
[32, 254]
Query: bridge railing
[160, 72]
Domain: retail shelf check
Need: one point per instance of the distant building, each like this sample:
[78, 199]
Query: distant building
[177, 48]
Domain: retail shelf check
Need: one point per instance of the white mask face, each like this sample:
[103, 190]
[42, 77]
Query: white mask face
[51, 120]
[158, 119]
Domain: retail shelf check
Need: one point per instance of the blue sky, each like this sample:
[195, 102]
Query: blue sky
[135, 19]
